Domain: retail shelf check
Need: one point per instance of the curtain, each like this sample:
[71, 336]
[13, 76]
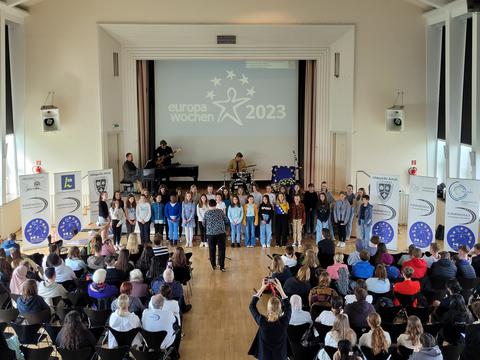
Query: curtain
[309, 144]
[143, 111]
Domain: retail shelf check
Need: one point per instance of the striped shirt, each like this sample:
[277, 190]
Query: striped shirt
[160, 250]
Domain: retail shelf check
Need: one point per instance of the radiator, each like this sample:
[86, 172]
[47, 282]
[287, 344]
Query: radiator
[403, 212]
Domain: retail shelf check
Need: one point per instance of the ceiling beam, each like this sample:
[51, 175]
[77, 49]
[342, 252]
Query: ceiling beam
[437, 4]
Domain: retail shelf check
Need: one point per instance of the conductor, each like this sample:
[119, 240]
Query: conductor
[215, 222]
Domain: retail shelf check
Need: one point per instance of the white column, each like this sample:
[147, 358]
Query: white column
[476, 94]
[455, 60]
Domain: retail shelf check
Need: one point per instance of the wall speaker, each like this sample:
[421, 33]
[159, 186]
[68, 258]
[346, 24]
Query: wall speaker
[50, 118]
[473, 5]
[395, 118]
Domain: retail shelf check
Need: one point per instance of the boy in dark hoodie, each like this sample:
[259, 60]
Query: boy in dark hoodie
[429, 349]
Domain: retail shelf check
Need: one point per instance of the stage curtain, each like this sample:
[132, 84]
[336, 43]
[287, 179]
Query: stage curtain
[309, 144]
[143, 111]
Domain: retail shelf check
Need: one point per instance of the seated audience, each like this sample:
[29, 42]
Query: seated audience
[345, 351]
[145, 261]
[133, 248]
[272, 329]
[429, 349]
[408, 256]
[363, 269]
[63, 274]
[289, 257]
[123, 262]
[158, 248]
[464, 268]
[444, 267]
[382, 256]
[351, 298]
[338, 264]
[139, 289]
[74, 261]
[359, 310]
[373, 245]
[74, 335]
[156, 319]
[418, 265]
[310, 260]
[326, 249]
[407, 286]
[299, 316]
[114, 276]
[18, 258]
[107, 248]
[457, 314]
[29, 302]
[177, 289]
[434, 255]
[169, 303]
[411, 337]
[376, 338]
[96, 261]
[322, 294]
[135, 305]
[10, 244]
[49, 288]
[354, 257]
[279, 270]
[5, 272]
[393, 272]
[476, 258]
[327, 317]
[299, 284]
[123, 320]
[380, 283]
[341, 330]
[453, 287]
[98, 289]
[19, 276]
[52, 249]
[181, 267]
[472, 335]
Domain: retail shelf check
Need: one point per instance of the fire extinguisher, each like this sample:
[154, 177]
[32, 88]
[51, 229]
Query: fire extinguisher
[37, 169]
[412, 170]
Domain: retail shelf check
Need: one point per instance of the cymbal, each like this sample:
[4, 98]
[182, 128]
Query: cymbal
[249, 166]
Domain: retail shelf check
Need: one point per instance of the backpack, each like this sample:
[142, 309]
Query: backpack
[343, 281]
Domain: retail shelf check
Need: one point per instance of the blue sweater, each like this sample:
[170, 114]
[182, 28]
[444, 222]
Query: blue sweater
[235, 213]
[173, 210]
[362, 270]
[158, 212]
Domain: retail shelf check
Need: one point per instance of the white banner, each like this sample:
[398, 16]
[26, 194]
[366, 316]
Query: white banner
[99, 181]
[385, 198]
[68, 204]
[35, 210]
[422, 211]
[461, 213]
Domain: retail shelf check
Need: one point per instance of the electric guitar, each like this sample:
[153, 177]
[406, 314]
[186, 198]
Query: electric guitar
[161, 159]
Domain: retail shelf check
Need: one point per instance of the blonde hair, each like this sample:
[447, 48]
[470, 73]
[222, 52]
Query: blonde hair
[414, 330]
[324, 279]
[310, 259]
[132, 244]
[338, 257]
[379, 341]
[123, 303]
[303, 274]
[277, 264]
[274, 309]
[341, 329]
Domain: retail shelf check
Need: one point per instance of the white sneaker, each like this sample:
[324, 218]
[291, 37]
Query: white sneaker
[342, 245]
[206, 245]
[264, 246]
[299, 245]
[268, 245]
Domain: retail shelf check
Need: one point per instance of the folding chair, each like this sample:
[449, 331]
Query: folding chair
[36, 353]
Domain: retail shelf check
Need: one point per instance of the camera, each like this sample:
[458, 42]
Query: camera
[269, 280]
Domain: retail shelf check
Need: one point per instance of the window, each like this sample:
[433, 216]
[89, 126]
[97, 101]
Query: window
[441, 166]
[441, 96]
[466, 171]
[466, 129]
[11, 170]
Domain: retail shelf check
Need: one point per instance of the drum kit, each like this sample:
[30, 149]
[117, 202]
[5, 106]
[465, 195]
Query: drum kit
[244, 179]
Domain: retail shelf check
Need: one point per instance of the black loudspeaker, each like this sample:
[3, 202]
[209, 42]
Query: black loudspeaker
[473, 5]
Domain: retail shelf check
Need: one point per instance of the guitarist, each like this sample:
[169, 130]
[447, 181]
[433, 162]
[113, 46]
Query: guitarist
[164, 154]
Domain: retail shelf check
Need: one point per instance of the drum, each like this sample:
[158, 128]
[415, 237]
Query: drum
[245, 176]
[235, 184]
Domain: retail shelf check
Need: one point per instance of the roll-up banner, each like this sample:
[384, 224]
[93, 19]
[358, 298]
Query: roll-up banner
[68, 204]
[422, 211]
[98, 182]
[461, 213]
[35, 210]
[385, 198]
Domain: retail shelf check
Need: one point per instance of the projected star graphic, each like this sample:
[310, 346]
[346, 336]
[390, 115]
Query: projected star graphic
[229, 106]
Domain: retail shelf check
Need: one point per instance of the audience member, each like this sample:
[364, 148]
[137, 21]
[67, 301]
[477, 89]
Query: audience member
[19, 276]
[74, 335]
[341, 330]
[98, 289]
[169, 303]
[382, 256]
[123, 320]
[476, 258]
[299, 316]
[359, 310]
[354, 257]
[411, 337]
[457, 314]
[156, 319]
[373, 245]
[5, 272]
[135, 305]
[74, 261]
[49, 288]
[407, 286]
[10, 243]
[351, 298]
[177, 289]
[107, 248]
[114, 276]
[96, 261]
[145, 261]
[408, 256]
[433, 257]
[289, 257]
[444, 267]
[363, 269]
[299, 284]
[310, 260]
[472, 335]
[158, 248]
[429, 349]
[123, 262]
[418, 265]
[29, 302]
[380, 283]
[464, 268]
[322, 294]
[376, 338]
[327, 317]
[139, 289]
[181, 267]
[326, 249]
[338, 264]
[279, 270]
[345, 351]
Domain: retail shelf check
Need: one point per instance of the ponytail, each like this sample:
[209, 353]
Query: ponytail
[379, 341]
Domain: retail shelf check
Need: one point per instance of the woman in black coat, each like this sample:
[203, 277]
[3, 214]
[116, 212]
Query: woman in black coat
[272, 339]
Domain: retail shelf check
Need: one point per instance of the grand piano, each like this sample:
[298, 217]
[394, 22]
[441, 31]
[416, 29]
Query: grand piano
[153, 176]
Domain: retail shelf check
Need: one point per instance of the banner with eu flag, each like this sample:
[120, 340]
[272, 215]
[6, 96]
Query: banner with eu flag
[68, 204]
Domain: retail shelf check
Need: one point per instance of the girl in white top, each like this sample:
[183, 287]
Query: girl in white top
[117, 215]
[143, 210]
[327, 317]
[73, 261]
[341, 330]
[411, 338]
[123, 320]
[299, 316]
[257, 197]
[202, 208]
[380, 283]
[376, 339]
[220, 204]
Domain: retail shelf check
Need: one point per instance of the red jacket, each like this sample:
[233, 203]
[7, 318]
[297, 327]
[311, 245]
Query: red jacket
[419, 267]
[297, 212]
[406, 287]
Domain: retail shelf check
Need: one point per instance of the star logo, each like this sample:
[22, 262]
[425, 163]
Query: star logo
[244, 79]
[230, 74]
[229, 106]
[251, 92]
[216, 81]
[210, 95]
